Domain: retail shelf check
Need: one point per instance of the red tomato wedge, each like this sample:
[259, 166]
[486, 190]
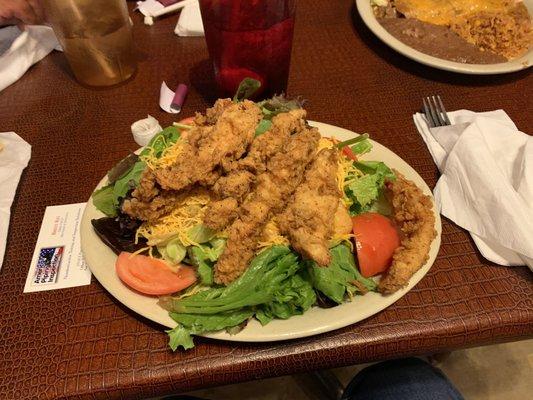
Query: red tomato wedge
[187, 121]
[152, 276]
[348, 152]
[376, 238]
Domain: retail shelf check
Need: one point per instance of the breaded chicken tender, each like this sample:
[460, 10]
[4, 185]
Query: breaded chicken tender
[205, 150]
[413, 214]
[225, 142]
[284, 173]
[309, 218]
[240, 181]
[148, 203]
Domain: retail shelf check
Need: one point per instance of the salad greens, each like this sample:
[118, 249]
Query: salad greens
[199, 258]
[125, 175]
[337, 279]
[364, 184]
[365, 189]
[277, 284]
[270, 107]
[190, 324]
[247, 88]
[294, 297]
[173, 251]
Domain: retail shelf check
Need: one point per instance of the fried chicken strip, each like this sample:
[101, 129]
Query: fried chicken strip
[284, 173]
[309, 218]
[148, 202]
[413, 214]
[210, 147]
[240, 181]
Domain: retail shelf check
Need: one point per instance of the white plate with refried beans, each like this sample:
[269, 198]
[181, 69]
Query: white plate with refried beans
[479, 37]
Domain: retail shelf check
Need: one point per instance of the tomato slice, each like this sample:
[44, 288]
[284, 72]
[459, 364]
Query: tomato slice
[348, 152]
[187, 121]
[376, 238]
[152, 276]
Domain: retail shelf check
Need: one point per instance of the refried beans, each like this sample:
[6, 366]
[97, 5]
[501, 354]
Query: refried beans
[438, 41]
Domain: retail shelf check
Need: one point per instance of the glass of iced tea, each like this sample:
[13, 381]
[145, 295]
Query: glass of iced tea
[96, 38]
[249, 38]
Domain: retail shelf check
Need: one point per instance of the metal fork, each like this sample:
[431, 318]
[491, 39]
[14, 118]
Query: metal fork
[435, 112]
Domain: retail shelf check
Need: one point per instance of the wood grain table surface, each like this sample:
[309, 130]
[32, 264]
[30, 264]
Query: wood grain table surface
[80, 343]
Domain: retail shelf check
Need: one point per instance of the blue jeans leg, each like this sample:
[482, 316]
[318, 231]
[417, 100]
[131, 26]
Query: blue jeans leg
[406, 379]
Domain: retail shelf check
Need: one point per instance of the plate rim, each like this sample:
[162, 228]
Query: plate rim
[383, 301]
[367, 15]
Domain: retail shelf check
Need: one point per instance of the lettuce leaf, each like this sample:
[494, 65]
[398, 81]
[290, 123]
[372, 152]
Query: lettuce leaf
[263, 126]
[267, 273]
[103, 200]
[161, 141]
[180, 336]
[295, 297]
[198, 323]
[363, 191]
[191, 324]
[362, 147]
[334, 281]
[247, 88]
[128, 182]
[173, 251]
[199, 258]
[108, 200]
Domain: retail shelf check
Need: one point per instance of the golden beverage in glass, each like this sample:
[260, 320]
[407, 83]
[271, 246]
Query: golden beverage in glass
[96, 38]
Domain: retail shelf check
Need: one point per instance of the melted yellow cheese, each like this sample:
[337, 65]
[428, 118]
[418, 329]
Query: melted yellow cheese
[445, 12]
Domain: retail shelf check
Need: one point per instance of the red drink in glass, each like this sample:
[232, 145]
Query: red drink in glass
[249, 39]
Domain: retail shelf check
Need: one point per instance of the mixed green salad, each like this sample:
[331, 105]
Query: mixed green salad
[278, 283]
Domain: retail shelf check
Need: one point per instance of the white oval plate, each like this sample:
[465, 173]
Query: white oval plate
[101, 261]
[524, 62]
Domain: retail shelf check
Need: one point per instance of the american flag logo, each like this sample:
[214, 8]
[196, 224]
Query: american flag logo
[48, 264]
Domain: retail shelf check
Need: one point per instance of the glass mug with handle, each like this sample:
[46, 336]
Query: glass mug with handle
[96, 38]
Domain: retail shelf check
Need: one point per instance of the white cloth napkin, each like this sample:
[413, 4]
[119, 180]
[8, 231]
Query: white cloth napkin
[486, 184]
[14, 157]
[19, 50]
[190, 21]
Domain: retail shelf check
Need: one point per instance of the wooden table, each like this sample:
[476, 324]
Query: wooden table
[80, 343]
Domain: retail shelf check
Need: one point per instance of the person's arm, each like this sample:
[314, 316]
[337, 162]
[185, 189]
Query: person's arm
[21, 12]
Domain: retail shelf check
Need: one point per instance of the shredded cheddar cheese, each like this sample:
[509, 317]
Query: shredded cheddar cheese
[271, 236]
[189, 211]
[325, 143]
[169, 156]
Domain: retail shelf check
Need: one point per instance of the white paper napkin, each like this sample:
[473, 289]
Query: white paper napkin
[486, 184]
[148, 7]
[19, 50]
[14, 157]
[190, 22]
[165, 99]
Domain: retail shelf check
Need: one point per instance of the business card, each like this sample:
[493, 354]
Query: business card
[57, 261]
